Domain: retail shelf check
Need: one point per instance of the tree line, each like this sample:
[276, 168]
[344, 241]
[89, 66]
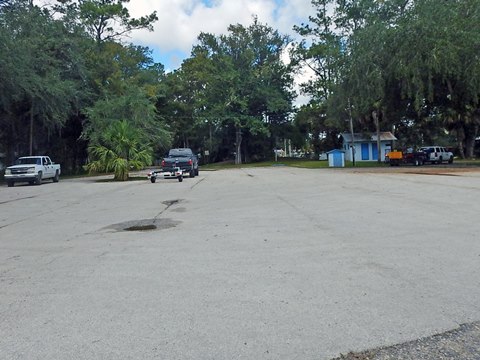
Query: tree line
[409, 66]
[71, 87]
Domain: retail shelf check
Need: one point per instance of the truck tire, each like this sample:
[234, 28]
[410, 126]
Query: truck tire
[153, 179]
[197, 171]
[56, 177]
[192, 172]
[10, 183]
[450, 161]
[180, 178]
[38, 180]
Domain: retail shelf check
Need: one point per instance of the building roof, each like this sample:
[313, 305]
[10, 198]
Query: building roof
[359, 137]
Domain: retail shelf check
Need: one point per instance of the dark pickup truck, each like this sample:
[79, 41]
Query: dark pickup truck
[183, 158]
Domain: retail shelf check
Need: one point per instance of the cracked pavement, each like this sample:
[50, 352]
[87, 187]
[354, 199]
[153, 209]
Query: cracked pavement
[260, 263]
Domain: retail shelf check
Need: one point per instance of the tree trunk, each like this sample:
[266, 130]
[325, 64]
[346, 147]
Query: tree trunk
[246, 157]
[460, 141]
[10, 140]
[238, 145]
[31, 129]
[470, 148]
[470, 136]
[315, 141]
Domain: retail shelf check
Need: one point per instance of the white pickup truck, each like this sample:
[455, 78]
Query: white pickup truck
[32, 169]
[437, 154]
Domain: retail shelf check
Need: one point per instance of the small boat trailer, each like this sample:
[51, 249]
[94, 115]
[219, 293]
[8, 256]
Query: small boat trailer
[176, 173]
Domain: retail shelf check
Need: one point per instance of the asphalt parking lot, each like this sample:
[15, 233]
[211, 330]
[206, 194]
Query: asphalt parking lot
[264, 263]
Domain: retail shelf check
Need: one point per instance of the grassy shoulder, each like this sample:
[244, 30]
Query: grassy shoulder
[470, 162]
[299, 163]
[319, 164]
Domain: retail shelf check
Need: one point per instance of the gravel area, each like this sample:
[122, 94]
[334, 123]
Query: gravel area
[462, 343]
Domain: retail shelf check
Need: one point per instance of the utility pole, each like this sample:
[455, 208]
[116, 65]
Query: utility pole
[352, 145]
[376, 115]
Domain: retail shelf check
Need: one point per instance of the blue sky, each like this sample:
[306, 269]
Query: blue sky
[181, 21]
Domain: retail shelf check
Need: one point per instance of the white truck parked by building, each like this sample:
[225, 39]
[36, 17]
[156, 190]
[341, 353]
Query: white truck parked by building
[437, 154]
[32, 169]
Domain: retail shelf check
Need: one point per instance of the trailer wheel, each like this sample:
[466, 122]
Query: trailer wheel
[152, 179]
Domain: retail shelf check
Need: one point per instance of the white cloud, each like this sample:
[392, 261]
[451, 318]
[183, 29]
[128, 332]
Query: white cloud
[293, 12]
[181, 21]
[301, 76]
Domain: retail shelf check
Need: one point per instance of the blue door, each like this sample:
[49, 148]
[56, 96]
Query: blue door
[337, 159]
[365, 151]
[374, 152]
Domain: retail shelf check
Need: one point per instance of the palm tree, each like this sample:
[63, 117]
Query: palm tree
[122, 148]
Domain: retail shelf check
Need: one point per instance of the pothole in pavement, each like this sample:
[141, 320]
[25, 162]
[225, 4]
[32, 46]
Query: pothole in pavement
[150, 224]
[171, 202]
[145, 225]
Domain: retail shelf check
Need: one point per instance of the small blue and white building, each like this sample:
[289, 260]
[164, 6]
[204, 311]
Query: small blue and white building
[365, 146]
[336, 158]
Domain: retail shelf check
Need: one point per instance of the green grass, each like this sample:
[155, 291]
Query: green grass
[475, 162]
[316, 164]
[299, 163]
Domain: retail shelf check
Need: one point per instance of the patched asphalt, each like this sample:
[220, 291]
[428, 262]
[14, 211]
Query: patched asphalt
[263, 263]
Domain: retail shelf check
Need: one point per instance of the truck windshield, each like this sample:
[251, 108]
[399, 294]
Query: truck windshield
[28, 161]
[179, 153]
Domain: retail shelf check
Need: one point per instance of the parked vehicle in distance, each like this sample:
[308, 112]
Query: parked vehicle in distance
[395, 157]
[437, 154]
[32, 169]
[182, 158]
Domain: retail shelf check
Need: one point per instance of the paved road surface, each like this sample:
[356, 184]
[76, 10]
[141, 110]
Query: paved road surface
[267, 263]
